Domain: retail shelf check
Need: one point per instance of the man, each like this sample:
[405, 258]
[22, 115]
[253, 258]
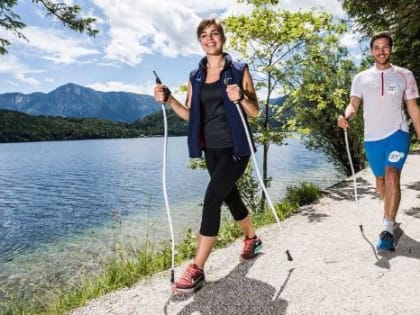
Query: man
[384, 88]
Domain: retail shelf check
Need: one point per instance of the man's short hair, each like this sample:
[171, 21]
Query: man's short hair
[384, 34]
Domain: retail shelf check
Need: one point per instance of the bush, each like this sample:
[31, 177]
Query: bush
[303, 194]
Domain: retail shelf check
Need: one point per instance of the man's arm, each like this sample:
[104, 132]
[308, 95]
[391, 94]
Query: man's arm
[414, 113]
[350, 112]
[353, 107]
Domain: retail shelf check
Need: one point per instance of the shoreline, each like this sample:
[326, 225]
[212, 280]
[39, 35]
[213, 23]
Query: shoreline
[322, 275]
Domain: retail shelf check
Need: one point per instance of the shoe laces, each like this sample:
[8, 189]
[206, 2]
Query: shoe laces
[189, 273]
[386, 236]
[249, 245]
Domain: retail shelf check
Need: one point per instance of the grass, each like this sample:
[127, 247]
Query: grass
[131, 265]
[303, 194]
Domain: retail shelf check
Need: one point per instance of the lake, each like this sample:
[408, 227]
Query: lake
[66, 206]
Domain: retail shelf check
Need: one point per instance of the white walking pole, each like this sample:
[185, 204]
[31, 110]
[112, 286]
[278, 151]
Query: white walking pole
[356, 199]
[254, 160]
[165, 195]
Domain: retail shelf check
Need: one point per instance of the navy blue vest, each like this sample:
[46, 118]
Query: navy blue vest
[233, 72]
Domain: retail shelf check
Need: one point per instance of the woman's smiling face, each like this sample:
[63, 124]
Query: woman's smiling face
[212, 40]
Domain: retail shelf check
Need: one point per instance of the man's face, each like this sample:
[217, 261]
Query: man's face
[381, 51]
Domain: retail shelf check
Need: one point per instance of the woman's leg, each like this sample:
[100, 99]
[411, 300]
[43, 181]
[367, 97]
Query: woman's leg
[247, 227]
[237, 207]
[224, 171]
[204, 247]
[252, 244]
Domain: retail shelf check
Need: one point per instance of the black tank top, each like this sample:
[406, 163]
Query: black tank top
[216, 130]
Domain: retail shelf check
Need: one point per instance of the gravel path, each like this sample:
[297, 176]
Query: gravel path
[336, 269]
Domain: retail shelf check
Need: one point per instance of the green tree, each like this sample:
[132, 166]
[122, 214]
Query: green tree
[326, 73]
[400, 17]
[69, 15]
[274, 41]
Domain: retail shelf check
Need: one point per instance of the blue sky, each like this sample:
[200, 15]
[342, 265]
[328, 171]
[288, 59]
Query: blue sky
[136, 37]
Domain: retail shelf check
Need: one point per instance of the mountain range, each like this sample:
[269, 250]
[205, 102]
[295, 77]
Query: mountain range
[72, 100]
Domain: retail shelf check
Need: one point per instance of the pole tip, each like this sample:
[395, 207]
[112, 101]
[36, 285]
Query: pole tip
[289, 256]
[361, 228]
[172, 276]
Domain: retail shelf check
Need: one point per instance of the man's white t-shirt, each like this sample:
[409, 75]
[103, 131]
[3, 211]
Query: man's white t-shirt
[383, 93]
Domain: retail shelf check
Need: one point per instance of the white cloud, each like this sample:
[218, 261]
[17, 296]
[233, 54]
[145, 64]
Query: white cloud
[167, 27]
[147, 88]
[162, 27]
[350, 40]
[57, 46]
[116, 86]
[12, 83]
[129, 31]
[21, 77]
[10, 65]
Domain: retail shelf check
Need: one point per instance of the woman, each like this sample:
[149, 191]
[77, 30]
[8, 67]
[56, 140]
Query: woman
[215, 128]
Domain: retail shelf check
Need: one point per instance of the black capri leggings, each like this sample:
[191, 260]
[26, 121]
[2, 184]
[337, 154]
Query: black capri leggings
[224, 171]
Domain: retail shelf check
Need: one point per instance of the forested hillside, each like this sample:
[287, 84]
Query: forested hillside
[21, 127]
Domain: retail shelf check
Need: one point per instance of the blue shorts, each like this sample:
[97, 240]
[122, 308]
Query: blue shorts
[391, 151]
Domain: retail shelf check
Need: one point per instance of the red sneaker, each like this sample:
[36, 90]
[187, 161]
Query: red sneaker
[252, 247]
[191, 280]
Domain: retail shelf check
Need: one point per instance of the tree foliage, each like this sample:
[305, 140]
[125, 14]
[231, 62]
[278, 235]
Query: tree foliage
[274, 42]
[152, 125]
[69, 15]
[326, 74]
[400, 17]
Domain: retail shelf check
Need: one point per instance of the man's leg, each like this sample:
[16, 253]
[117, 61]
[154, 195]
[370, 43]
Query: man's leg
[375, 153]
[396, 153]
[380, 186]
[392, 195]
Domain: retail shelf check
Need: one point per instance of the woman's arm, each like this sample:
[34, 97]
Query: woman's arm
[246, 96]
[179, 109]
[250, 101]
